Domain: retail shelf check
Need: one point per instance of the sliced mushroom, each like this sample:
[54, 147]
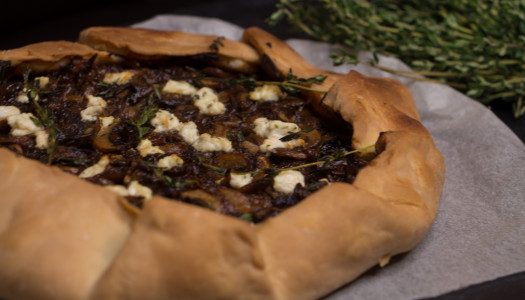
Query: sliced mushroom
[257, 185]
[251, 147]
[239, 202]
[101, 138]
[202, 198]
[288, 153]
[232, 161]
[312, 138]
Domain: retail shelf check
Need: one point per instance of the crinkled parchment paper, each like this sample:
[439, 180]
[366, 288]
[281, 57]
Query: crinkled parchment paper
[479, 233]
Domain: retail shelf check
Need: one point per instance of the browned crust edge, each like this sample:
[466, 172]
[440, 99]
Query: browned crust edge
[46, 56]
[91, 248]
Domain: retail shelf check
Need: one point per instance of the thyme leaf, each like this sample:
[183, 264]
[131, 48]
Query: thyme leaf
[247, 217]
[270, 172]
[158, 171]
[215, 169]
[216, 43]
[104, 88]
[44, 117]
[148, 113]
[292, 84]
[74, 161]
[294, 135]
[184, 183]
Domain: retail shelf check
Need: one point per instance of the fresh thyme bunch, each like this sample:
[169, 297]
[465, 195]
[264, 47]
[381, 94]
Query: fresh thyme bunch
[476, 46]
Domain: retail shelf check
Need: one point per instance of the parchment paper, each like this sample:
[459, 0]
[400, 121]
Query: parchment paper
[479, 233]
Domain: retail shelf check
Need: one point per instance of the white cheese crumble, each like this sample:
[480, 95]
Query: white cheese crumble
[137, 189]
[22, 97]
[42, 81]
[7, 111]
[119, 189]
[236, 64]
[94, 108]
[206, 143]
[118, 78]
[22, 124]
[146, 148]
[91, 113]
[96, 169]
[170, 161]
[42, 139]
[106, 121]
[95, 101]
[274, 128]
[189, 132]
[205, 98]
[266, 92]
[208, 102]
[178, 87]
[239, 180]
[269, 145]
[273, 131]
[286, 181]
[134, 189]
[165, 121]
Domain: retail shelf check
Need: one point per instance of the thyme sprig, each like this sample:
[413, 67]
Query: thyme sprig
[215, 169]
[167, 180]
[475, 46]
[337, 155]
[44, 117]
[216, 43]
[148, 113]
[159, 172]
[291, 84]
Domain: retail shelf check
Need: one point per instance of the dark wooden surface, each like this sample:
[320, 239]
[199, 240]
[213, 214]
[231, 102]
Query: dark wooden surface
[25, 22]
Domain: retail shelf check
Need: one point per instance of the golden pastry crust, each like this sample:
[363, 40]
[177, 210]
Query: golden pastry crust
[152, 44]
[65, 238]
[47, 56]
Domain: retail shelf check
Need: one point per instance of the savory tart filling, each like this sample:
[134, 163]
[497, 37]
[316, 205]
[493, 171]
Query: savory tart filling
[177, 128]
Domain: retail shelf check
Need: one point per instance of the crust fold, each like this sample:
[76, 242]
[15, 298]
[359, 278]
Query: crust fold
[46, 56]
[153, 44]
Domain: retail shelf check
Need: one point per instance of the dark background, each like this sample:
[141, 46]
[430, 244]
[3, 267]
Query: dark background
[24, 22]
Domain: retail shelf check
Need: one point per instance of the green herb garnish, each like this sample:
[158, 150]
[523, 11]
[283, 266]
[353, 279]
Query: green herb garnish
[104, 88]
[271, 172]
[246, 217]
[216, 43]
[215, 169]
[44, 117]
[148, 113]
[158, 171]
[295, 135]
[475, 46]
[338, 154]
[74, 161]
[292, 84]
